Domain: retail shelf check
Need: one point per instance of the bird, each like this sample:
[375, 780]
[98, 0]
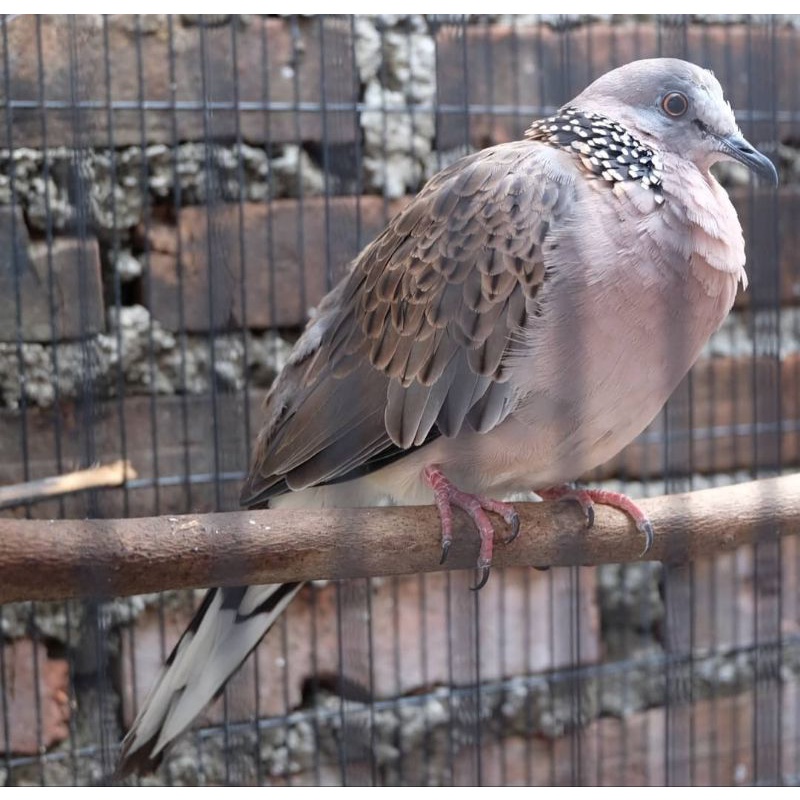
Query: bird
[520, 321]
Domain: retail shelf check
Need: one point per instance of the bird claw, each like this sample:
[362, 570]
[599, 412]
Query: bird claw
[445, 549]
[514, 523]
[446, 495]
[485, 570]
[646, 527]
[587, 498]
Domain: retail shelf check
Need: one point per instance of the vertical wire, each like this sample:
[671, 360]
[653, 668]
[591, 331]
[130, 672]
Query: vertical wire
[297, 137]
[736, 391]
[52, 318]
[243, 273]
[347, 594]
[148, 286]
[147, 290]
[244, 283]
[37, 694]
[273, 315]
[99, 634]
[297, 49]
[315, 719]
[766, 460]
[17, 267]
[51, 289]
[358, 189]
[71, 693]
[467, 615]
[401, 584]
[177, 206]
[397, 739]
[500, 575]
[357, 593]
[428, 599]
[529, 717]
[56, 416]
[4, 674]
[117, 299]
[518, 124]
[451, 732]
[707, 573]
[556, 685]
[793, 413]
[343, 720]
[208, 146]
[678, 577]
[358, 182]
[474, 618]
[384, 117]
[5, 718]
[210, 189]
[115, 248]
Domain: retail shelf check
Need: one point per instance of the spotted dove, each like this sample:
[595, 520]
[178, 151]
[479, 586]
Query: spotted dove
[517, 324]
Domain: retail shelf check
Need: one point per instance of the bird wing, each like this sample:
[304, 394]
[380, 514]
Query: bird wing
[412, 343]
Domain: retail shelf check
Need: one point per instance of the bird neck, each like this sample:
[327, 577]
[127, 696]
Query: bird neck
[602, 147]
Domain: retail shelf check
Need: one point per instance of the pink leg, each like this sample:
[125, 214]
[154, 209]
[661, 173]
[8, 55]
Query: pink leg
[446, 495]
[587, 498]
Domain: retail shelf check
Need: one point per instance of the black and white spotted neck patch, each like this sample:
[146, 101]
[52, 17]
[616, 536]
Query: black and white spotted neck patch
[604, 147]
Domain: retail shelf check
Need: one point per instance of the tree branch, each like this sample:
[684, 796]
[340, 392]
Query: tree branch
[47, 560]
[99, 477]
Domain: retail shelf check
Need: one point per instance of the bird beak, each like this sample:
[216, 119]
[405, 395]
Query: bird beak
[739, 149]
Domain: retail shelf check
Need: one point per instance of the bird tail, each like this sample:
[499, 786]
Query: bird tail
[225, 629]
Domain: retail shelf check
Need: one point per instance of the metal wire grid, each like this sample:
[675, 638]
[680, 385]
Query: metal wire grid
[92, 644]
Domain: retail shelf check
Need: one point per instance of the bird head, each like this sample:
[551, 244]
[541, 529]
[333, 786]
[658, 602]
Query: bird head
[679, 106]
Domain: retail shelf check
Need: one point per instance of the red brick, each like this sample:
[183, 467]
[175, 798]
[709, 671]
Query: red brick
[289, 255]
[299, 61]
[77, 291]
[74, 308]
[720, 749]
[771, 223]
[156, 446]
[727, 614]
[76, 299]
[410, 636]
[540, 67]
[23, 695]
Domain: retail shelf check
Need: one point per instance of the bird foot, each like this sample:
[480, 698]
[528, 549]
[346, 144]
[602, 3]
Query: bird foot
[446, 495]
[587, 498]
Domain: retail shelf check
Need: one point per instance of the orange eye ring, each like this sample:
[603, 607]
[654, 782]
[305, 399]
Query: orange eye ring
[675, 104]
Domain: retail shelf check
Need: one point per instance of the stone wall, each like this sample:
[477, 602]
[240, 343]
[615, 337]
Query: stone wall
[160, 250]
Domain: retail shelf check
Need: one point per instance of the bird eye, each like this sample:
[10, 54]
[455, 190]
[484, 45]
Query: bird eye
[675, 104]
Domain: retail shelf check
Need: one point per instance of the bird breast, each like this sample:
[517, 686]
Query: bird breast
[622, 320]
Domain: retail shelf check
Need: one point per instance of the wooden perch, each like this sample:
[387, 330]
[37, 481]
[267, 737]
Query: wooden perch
[47, 488]
[47, 560]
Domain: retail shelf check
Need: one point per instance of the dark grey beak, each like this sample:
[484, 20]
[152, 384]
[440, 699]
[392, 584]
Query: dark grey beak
[738, 148]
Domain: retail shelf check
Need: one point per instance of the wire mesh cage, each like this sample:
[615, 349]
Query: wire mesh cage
[177, 194]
